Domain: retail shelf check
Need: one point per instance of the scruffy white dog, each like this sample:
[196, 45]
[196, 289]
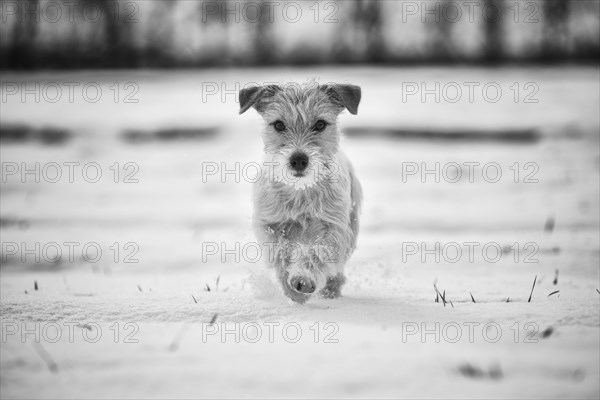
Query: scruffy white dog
[307, 200]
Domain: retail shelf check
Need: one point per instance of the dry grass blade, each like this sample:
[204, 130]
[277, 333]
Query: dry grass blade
[475, 372]
[549, 225]
[472, 298]
[495, 372]
[547, 332]
[213, 319]
[555, 278]
[439, 294]
[471, 371]
[35, 285]
[598, 291]
[195, 301]
[177, 339]
[139, 288]
[532, 287]
[85, 326]
[45, 356]
[207, 288]
[217, 283]
[556, 291]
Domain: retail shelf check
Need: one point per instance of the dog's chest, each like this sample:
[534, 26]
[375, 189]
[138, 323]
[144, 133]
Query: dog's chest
[327, 202]
[320, 203]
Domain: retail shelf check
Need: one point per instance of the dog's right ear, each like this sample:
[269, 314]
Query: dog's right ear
[256, 96]
[347, 95]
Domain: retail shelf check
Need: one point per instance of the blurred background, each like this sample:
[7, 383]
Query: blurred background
[119, 80]
[41, 34]
[145, 93]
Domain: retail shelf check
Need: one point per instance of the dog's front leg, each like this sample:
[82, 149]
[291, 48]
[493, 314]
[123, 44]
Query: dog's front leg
[282, 254]
[327, 256]
[331, 252]
[333, 287]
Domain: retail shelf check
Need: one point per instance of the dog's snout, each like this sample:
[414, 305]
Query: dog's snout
[303, 285]
[299, 161]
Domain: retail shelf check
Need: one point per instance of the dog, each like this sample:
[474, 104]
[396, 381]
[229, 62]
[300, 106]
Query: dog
[307, 199]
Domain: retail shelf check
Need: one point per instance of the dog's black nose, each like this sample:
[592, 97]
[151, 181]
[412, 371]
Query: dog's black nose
[303, 285]
[299, 161]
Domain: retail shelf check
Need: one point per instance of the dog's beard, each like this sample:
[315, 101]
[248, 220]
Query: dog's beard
[279, 169]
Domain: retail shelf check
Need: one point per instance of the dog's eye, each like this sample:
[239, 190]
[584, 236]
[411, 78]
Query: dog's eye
[279, 126]
[320, 126]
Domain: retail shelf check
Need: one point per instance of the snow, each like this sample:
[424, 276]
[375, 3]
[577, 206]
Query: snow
[379, 339]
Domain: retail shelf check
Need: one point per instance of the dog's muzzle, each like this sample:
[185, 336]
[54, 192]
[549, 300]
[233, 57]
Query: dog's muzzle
[299, 161]
[303, 285]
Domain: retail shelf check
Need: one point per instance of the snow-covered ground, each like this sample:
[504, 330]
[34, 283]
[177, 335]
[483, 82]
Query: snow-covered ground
[117, 328]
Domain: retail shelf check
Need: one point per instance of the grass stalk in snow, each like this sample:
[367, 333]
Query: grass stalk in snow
[532, 287]
[440, 294]
[547, 332]
[177, 339]
[45, 356]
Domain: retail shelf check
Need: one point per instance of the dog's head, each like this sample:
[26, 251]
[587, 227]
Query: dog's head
[301, 134]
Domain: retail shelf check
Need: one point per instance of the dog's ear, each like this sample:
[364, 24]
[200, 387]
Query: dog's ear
[347, 95]
[255, 96]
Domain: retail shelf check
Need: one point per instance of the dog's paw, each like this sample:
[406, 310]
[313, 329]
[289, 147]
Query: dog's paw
[333, 287]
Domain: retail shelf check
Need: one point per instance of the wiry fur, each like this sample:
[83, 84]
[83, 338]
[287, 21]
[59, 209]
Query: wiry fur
[308, 225]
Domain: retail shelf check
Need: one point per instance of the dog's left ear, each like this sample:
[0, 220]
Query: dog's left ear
[348, 95]
[255, 96]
